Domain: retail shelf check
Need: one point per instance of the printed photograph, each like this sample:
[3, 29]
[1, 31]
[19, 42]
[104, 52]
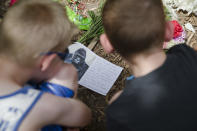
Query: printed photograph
[80, 56]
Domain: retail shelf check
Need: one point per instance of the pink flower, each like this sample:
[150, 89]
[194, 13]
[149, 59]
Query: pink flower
[12, 2]
[177, 29]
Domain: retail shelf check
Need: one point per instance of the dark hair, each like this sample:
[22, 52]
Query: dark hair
[133, 26]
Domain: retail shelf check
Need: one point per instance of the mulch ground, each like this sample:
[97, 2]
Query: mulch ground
[98, 103]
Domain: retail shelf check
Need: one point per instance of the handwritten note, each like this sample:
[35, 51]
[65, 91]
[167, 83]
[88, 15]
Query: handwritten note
[100, 74]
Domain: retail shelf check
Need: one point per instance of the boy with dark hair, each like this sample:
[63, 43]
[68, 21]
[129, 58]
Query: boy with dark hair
[162, 96]
[29, 31]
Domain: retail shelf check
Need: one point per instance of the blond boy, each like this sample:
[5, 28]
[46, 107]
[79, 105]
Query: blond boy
[29, 30]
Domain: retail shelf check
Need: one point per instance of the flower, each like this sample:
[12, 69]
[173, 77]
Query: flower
[12, 2]
[177, 29]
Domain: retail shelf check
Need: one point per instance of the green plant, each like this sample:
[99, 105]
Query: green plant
[96, 28]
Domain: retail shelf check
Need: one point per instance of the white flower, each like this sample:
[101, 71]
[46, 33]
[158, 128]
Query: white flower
[186, 5]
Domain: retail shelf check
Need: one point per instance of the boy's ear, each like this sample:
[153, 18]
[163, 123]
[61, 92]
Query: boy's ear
[169, 31]
[46, 61]
[106, 43]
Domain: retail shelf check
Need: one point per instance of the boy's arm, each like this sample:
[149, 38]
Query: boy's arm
[67, 76]
[115, 97]
[56, 110]
[61, 111]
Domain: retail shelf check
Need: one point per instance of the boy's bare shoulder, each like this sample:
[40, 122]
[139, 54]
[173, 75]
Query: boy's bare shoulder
[51, 104]
[46, 111]
[56, 110]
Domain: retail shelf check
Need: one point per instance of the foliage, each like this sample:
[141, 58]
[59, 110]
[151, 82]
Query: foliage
[83, 23]
[96, 28]
[167, 14]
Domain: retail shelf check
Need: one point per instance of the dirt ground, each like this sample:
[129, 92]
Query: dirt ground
[98, 103]
[3, 7]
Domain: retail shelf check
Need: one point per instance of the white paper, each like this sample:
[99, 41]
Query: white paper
[95, 73]
[190, 27]
[101, 76]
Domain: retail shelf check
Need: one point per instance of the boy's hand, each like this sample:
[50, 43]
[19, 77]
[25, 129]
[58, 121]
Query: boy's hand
[66, 76]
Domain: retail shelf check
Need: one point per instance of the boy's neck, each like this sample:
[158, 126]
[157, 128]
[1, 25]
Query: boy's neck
[147, 62]
[13, 73]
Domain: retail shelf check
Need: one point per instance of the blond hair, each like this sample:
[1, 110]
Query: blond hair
[32, 27]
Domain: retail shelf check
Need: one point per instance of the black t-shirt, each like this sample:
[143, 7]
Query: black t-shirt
[163, 100]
